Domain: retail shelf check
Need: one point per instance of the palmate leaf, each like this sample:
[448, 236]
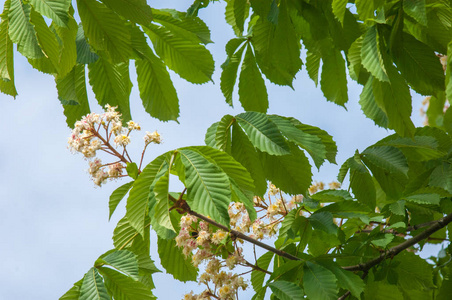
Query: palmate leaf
[124, 234]
[156, 88]
[134, 10]
[7, 85]
[291, 173]
[263, 133]
[388, 158]
[277, 47]
[111, 85]
[122, 287]
[188, 27]
[57, 10]
[229, 74]
[21, 31]
[117, 196]
[72, 94]
[252, 91]
[174, 261]
[323, 221]
[93, 287]
[244, 152]
[137, 202]
[208, 191]
[189, 59]
[345, 279]
[319, 282]
[286, 290]
[105, 31]
[223, 133]
[162, 206]
[257, 277]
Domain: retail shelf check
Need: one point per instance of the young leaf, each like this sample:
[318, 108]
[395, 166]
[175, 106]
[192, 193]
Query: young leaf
[286, 290]
[175, 262]
[318, 282]
[263, 133]
[132, 170]
[208, 191]
[93, 287]
[252, 91]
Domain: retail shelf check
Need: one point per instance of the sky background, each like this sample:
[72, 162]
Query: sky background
[54, 221]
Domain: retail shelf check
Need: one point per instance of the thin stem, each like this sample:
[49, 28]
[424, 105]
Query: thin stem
[122, 158]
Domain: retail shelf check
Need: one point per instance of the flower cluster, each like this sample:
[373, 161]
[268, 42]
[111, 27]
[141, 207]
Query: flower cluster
[87, 139]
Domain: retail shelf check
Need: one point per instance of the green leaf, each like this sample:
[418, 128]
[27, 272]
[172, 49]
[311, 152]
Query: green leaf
[117, 196]
[332, 196]
[371, 57]
[339, 8]
[180, 23]
[73, 293]
[208, 191]
[21, 31]
[156, 88]
[122, 287]
[66, 37]
[229, 74]
[355, 67]
[93, 287]
[370, 107]
[345, 279]
[136, 11]
[132, 170]
[323, 221]
[211, 132]
[223, 133]
[449, 72]
[236, 13]
[7, 85]
[414, 272]
[257, 277]
[416, 9]
[361, 182]
[286, 290]
[291, 173]
[333, 80]
[122, 260]
[57, 10]
[383, 240]
[244, 152]
[318, 282]
[311, 143]
[162, 206]
[277, 47]
[137, 203]
[174, 262]
[252, 91]
[191, 61]
[419, 65]
[124, 233]
[84, 53]
[111, 85]
[380, 290]
[312, 66]
[395, 100]
[105, 31]
[72, 89]
[390, 159]
[263, 133]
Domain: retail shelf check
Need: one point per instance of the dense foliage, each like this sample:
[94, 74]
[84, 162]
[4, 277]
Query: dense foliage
[360, 242]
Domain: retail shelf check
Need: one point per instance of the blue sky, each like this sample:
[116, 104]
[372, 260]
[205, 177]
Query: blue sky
[54, 222]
